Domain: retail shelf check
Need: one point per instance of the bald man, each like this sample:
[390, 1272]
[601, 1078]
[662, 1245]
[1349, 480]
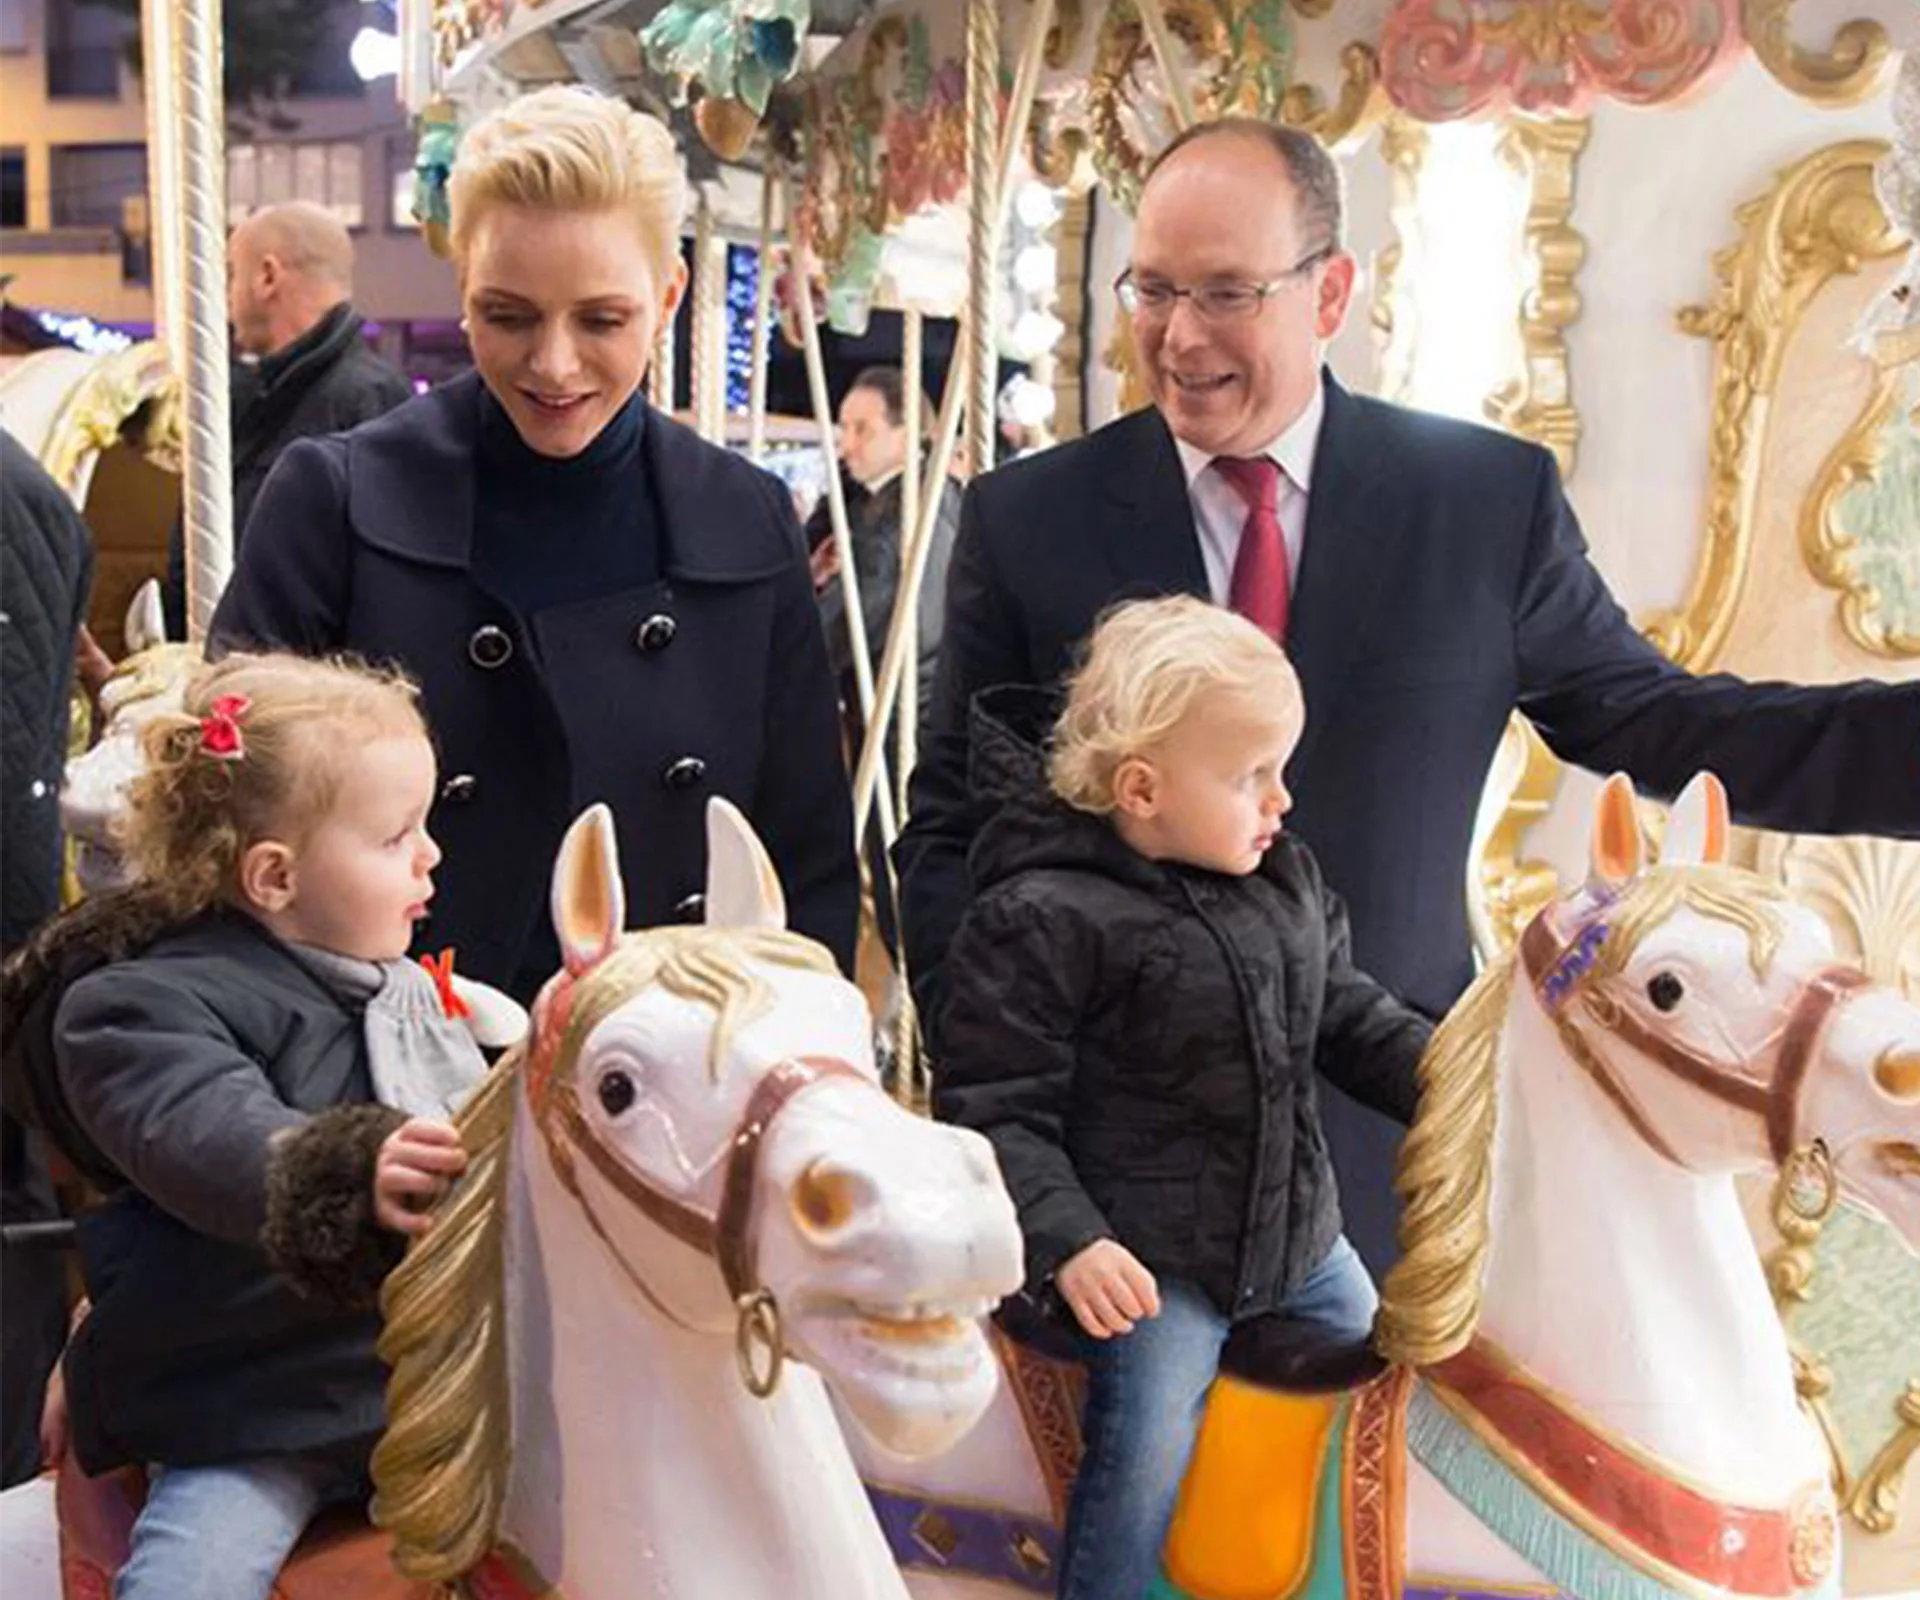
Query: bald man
[304, 367]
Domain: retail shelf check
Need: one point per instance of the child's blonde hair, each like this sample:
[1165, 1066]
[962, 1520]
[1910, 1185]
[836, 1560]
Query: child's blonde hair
[569, 148]
[1146, 665]
[194, 812]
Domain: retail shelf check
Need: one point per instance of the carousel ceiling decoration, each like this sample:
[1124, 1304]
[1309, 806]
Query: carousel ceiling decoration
[736, 52]
[1444, 59]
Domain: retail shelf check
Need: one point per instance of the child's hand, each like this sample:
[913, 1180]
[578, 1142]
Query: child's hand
[1107, 1289]
[417, 1162]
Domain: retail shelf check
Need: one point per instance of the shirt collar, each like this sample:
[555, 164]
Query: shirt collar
[1293, 449]
[883, 480]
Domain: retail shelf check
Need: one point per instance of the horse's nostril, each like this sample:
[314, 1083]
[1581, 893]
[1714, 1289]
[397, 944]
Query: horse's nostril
[827, 1197]
[1897, 1072]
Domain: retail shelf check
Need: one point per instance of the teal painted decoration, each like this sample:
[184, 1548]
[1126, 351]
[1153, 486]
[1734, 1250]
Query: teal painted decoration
[1881, 515]
[438, 136]
[732, 49]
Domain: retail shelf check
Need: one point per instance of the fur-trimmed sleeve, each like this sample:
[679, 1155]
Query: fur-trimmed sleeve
[320, 1232]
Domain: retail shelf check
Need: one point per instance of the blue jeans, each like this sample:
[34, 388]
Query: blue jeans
[1145, 1393]
[222, 1533]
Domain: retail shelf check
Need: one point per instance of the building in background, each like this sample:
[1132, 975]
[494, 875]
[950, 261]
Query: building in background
[73, 178]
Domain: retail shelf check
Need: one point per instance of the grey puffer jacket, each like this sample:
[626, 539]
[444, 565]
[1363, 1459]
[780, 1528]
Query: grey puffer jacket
[1140, 1041]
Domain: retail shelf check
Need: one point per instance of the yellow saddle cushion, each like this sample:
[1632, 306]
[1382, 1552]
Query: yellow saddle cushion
[1245, 1523]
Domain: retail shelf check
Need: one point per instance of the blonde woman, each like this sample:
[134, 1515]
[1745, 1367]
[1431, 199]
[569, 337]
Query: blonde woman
[597, 604]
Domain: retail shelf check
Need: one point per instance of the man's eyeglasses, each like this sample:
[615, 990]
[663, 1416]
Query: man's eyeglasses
[1217, 302]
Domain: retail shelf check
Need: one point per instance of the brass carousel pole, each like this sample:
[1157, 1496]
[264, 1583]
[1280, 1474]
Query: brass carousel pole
[1153, 18]
[709, 327]
[842, 529]
[762, 313]
[193, 165]
[983, 107]
[907, 605]
[914, 555]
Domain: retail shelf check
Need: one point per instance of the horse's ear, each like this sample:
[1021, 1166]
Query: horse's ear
[743, 890]
[1698, 828]
[146, 618]
[589, 903]
[1617, 845]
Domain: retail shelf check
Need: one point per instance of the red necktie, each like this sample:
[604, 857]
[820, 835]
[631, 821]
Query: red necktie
[1259, 589]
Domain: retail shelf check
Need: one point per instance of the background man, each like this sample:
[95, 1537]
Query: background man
[289, 298]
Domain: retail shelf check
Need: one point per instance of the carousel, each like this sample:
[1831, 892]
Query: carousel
[1671, 241]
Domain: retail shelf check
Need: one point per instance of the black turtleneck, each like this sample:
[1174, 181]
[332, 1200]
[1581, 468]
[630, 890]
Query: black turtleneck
[550, 531]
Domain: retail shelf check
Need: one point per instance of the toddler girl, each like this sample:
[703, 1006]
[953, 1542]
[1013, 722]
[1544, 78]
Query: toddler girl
[230, 1050]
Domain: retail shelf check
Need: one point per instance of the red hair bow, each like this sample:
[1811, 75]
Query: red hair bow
[440, 969]
[220, 728]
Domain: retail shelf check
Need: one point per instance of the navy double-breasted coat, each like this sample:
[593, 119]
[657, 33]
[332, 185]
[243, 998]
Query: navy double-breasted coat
[712, 680]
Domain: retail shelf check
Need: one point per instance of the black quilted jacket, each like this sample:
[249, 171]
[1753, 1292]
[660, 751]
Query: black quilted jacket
[1140, 1042]
[46, 570]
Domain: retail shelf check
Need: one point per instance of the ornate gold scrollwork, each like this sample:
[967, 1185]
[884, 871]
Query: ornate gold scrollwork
[1507, 889]
[1848, 73]
[1875, 1501]
[1819, 220]
[1358, 106]
[1539, 404]
[104, 401]
[1834, 549]
[1403, 146]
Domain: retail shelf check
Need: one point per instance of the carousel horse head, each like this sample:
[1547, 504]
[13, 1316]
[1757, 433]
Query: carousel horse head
[93, 796]
[717, 1084]
[708, 1161]
[1709, 1008]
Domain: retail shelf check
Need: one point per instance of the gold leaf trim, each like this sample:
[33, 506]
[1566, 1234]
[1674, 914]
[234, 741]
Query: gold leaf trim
[1875, 1501]
[1851, 70]
[1404, 143]
[1539, 404]
[100, 405]
[1360, 104]
[1819, 220]
[1832, 552]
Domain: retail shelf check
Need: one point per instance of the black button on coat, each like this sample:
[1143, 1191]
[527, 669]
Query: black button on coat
[363, 541]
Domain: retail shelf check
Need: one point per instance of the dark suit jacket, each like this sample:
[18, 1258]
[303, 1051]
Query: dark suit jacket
[713, 680]
[1444, 582]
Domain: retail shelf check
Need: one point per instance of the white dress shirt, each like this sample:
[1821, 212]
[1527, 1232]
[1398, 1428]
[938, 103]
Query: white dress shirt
[1219, 513]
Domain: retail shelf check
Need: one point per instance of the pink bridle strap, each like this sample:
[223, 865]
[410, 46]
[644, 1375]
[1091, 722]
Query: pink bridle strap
[727, 1236]
[1545, 954]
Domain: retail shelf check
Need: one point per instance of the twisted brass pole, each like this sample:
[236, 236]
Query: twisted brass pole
[202, 337]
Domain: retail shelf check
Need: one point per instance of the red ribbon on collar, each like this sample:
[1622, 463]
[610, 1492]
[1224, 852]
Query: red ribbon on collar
[440, 969]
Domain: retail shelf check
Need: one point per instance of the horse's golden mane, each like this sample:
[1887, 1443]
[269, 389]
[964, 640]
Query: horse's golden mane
[440, 1470]
[1430, 1302]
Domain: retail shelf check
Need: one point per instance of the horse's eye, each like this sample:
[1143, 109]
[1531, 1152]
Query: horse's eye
[1665, 991]
[617, 1093]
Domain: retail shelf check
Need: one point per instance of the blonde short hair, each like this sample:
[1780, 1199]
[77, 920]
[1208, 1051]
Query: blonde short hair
[568, 148]
[1146, 666]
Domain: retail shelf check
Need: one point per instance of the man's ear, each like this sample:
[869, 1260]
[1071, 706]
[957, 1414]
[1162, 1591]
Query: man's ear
[1136, 788]
[268, 875]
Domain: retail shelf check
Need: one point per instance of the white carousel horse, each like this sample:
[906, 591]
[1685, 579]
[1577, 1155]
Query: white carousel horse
[1595, 1396]
[93, 796]
[691, 1210]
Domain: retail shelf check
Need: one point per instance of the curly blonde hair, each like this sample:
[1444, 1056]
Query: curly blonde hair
[569, 148]
[193, 813]
[1146, 666]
